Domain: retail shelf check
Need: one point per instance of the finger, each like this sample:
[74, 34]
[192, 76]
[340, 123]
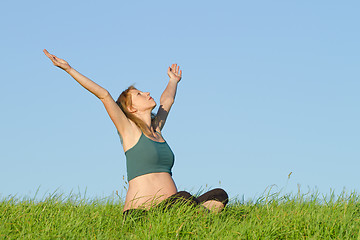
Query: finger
[170, 71]
[177, 71]
[47, 53]
[56, 58]
[180, 73]
[53, 58]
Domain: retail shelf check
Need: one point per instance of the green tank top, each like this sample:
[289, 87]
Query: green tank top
[148, 156]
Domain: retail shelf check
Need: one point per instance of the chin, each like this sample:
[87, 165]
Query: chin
[154, 106]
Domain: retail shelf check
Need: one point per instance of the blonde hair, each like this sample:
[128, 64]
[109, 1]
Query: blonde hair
[124, 101]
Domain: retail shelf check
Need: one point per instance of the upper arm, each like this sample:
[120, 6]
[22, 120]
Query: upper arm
[162, 114]
[118, 117]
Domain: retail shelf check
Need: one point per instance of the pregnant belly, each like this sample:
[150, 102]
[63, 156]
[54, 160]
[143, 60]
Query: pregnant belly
[148, 190]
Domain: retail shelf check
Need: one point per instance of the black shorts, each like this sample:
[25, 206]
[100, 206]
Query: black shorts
[216, 194]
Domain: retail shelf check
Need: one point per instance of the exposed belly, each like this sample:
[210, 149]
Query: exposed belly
[148, 190]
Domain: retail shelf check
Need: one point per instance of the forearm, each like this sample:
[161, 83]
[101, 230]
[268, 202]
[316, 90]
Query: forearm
[169, 92]
[91, 86]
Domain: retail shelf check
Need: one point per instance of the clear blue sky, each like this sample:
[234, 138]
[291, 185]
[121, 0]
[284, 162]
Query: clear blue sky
[268, 88]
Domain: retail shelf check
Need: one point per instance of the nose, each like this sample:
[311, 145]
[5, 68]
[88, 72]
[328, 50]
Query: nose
[147, 93]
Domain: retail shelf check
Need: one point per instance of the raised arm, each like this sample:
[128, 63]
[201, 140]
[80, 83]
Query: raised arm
[168, 96]
[116, 114]
[92, 87]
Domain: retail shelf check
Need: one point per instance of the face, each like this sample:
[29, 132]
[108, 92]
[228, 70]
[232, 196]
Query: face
[142, 101]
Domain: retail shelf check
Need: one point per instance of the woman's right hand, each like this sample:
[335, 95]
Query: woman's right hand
[58, 61]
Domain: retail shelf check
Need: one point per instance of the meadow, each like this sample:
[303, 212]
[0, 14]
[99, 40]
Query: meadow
[272, 216]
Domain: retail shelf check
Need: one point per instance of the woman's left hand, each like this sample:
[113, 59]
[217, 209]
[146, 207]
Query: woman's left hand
[174, 72]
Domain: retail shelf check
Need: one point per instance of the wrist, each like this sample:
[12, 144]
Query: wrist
[174, 80]
[69, 69]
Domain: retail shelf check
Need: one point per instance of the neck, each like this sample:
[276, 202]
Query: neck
[146, 118]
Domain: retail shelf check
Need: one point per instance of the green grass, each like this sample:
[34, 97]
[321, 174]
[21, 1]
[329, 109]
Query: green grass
[306, 216]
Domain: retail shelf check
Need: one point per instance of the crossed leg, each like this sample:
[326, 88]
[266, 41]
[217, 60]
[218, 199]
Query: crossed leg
[214, 200]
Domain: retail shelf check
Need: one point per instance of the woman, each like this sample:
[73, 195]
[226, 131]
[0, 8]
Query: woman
[149, 159]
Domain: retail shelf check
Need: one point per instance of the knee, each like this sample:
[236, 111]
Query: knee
[217, 194]
[183, 194]
[221, 195]
[187, 196]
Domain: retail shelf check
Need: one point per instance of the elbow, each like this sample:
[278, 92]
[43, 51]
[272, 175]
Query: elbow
[104, 95]
[167, 101]
[167, 98]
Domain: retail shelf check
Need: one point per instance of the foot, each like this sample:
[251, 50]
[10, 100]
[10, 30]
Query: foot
[214, 206]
